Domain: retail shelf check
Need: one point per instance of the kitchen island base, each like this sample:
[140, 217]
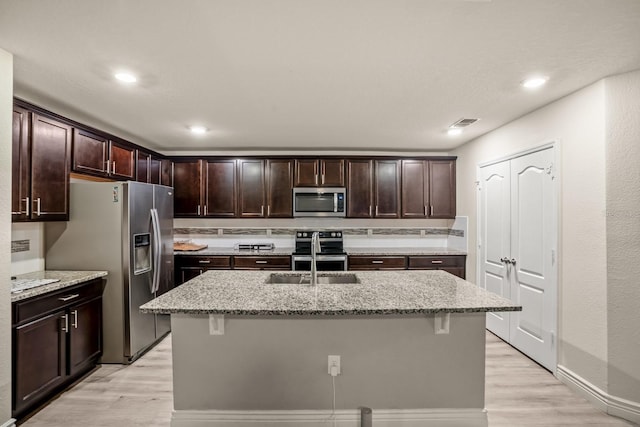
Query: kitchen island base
[272, 370]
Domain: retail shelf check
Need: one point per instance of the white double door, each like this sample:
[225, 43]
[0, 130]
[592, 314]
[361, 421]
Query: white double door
[517, 250]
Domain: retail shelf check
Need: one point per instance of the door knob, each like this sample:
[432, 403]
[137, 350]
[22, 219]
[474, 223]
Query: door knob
[513, 261]
[505, 260]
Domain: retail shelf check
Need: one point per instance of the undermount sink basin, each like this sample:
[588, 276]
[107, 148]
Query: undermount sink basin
[305, 279]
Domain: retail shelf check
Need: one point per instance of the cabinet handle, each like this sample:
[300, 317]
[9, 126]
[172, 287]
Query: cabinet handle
[75, 319]
[323, 179]
[370, 210]
[68, 297]
[65, 325]
[260, 262]
[204, 261]
[262, 210]
[316, 179]
[113, 167]
[425, 210]
[108, 167]
[431, 210]
[268, 210]
[198, 209]
[28, 205]
[436, 262]
[376, 210]
[205, 210]
[37, 206]
[377, 261]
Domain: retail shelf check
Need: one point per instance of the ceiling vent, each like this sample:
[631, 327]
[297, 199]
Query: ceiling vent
[463, 123]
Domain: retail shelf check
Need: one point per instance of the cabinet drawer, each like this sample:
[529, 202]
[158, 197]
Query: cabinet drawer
[261, 262]
[435, 262]
[377, 263]
[205, 262]
[41, 305]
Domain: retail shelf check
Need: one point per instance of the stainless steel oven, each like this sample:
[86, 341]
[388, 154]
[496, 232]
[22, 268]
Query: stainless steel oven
[323, 262]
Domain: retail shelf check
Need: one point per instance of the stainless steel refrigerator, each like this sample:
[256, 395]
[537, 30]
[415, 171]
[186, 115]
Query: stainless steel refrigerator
[125, 228]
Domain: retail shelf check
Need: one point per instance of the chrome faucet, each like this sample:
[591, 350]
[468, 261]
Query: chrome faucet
[315, 248]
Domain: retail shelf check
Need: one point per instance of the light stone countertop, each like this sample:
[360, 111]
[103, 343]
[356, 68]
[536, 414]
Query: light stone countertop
[349, 251]
[245, 293]
[66, 279]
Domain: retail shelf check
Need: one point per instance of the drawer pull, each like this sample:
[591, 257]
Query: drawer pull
[377, 261]
[69, 297]
[436, 262]
[204, 261]
[260, 262]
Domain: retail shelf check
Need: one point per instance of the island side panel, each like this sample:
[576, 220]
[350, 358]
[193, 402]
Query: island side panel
[280, 362]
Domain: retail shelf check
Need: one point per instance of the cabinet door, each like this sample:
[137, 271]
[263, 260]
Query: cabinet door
[415, 196]
[90, 153]
[332, 172]
[387, 189]
[251, 188]
[364, 262]
[155, 166]
[122, 160]
[85, 335]
[306, 173]
[143, 163]
[50, 167]
[21, 167]
[442, 188]
[166, 172]
[186, 181]
[187, 273]
[279, 188]
[39, 359]
[220, 188]
[359, 192]
[277, 262]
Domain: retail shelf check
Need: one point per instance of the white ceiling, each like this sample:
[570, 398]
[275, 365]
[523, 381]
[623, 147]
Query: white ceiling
[294, 75]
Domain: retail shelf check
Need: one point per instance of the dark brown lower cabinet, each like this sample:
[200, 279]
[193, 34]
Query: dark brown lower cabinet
[278, 262]
[190, 266]
[57, 338]
[454, 264]
[365, 262]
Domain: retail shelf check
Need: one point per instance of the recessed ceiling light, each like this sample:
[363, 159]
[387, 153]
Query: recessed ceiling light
[534, 82]
[454, 131]
[126, 77]
[198, 130]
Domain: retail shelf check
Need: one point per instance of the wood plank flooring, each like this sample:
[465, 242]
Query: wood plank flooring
[518, 393]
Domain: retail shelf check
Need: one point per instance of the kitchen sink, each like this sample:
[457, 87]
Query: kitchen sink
[305, 279]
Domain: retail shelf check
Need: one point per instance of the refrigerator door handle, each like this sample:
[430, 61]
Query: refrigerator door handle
[157, 248]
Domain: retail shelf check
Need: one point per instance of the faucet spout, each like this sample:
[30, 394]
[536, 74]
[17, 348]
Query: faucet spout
[315, 248]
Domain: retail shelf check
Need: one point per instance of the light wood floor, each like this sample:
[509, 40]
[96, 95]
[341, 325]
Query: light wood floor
[518, 393]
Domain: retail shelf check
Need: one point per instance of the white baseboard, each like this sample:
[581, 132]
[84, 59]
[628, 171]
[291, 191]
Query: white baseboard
[612, 405]
[322, 418]
[10, 423]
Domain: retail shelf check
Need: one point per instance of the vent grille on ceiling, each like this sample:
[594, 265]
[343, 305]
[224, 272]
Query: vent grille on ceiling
[463, 123]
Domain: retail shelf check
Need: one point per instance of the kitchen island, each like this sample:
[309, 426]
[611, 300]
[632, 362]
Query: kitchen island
[249, 352]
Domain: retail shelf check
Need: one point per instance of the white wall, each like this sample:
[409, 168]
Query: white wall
[33, 259]
[576, 123]
[6, 108]
[623, 234]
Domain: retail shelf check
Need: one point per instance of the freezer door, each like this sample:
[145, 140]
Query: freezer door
[163, 203]
[140, 329]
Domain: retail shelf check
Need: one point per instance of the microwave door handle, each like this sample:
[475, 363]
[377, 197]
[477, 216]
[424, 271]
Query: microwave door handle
[335, 201]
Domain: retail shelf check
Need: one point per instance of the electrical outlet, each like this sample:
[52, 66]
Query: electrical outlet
[334, 362]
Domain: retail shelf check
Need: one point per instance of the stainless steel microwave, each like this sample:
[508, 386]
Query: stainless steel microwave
[327, 201]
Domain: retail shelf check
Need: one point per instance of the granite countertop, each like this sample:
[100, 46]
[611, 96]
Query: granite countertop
[349, 251]
[232, 251]
[403, 251]
[65, 279]
[245, 293]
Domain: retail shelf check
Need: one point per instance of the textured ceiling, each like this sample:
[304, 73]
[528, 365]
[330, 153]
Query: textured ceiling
[318, 75]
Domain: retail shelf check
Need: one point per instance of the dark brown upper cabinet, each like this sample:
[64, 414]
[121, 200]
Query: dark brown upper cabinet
[429, 189]
[279, 177]
[187, 182]
[251, 194]
[143, 164]
[373, 188]
[41, 165]
[155, 169]
[96, 154]
[220, 188]
[166, 172]
[319, 173]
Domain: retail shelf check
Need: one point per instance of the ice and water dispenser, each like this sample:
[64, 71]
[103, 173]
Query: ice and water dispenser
[141, 253]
